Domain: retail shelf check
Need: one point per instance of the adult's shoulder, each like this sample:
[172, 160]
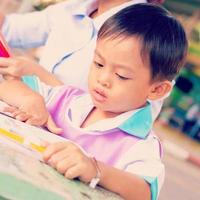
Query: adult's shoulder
[68, 5]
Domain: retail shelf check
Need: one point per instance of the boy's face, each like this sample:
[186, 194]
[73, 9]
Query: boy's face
[119, 80]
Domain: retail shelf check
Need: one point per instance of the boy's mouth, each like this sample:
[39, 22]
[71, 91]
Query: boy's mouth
[98, 95]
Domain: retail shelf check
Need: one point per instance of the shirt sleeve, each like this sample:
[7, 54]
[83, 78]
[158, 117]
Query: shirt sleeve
[38, 86]
[31, 29]
[144, 160]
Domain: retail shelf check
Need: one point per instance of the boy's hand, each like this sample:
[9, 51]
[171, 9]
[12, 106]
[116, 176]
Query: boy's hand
[31, 110]
[42, 118]
[70, 161]
[51, 126]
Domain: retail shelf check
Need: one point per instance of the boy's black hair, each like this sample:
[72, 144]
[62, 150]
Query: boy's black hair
[163, 38]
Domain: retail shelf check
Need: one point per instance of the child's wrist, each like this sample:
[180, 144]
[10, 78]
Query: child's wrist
[95, 180]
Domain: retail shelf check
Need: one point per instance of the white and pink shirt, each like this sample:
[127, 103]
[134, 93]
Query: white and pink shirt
[125, 142]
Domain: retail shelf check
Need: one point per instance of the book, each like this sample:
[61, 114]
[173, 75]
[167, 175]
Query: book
[4, 49]
[25, 178]
[22, 176]
[24, 137]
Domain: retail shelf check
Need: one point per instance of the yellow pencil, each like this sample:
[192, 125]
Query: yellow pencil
[19, 139]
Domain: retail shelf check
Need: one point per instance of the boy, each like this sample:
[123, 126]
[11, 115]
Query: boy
[134, 62]
[69, 32]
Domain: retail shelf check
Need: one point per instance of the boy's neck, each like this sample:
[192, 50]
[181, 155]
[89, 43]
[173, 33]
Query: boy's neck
[105, 5]
[96, 115]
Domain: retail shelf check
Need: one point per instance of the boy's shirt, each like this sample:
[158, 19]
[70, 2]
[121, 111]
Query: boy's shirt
[125, 142]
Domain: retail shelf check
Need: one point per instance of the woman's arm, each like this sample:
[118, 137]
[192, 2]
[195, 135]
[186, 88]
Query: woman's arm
[46, 76]
[21, 66]
[29, 30]
[26, 30]
[2, 17]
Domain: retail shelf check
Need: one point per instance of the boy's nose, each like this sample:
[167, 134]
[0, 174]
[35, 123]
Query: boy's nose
[104, 80]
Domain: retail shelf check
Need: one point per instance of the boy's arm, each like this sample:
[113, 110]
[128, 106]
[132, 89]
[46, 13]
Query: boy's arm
[71, 161]
[127, 185]
[16, 93]
[30, 105]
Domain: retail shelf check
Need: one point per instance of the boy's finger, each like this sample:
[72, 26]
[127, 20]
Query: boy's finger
[17, 113]
[73, 172]
[52, 127]
[64, 163]
[44, 143]
[59, 157]
[53, 149]
[33, 121]
[10, 109]
[22, 117]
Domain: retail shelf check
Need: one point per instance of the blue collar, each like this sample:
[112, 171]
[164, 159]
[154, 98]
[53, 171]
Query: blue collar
[139, 124]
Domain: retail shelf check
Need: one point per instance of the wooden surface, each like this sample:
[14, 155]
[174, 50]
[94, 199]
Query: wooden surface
[23, 177]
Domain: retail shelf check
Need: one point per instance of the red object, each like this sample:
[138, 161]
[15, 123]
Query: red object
[4, 50]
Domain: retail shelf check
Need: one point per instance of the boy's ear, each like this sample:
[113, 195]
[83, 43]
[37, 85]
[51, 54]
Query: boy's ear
[159, 90]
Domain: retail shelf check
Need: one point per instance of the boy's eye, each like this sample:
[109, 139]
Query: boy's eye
[122, 77]
[98, 64]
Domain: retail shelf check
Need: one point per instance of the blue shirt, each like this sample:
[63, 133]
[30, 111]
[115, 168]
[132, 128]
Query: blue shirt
[68, 33]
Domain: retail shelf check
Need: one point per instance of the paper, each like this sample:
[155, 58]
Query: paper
[22, 178]
[24, 137]
[19, 168]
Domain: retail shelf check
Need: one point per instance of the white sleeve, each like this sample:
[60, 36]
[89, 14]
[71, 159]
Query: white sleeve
[43, 89]
[144, 160]
[26, 30]
[32, 29]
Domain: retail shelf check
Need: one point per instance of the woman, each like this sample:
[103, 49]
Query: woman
[68, 31]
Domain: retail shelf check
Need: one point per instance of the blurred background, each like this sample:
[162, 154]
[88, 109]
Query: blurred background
[178, 124]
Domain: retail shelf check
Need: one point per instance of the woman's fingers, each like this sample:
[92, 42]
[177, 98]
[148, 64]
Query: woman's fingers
[5, 62]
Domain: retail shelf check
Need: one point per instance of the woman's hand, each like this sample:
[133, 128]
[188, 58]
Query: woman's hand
[2, 17]
[17, 66]
[68, 159]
